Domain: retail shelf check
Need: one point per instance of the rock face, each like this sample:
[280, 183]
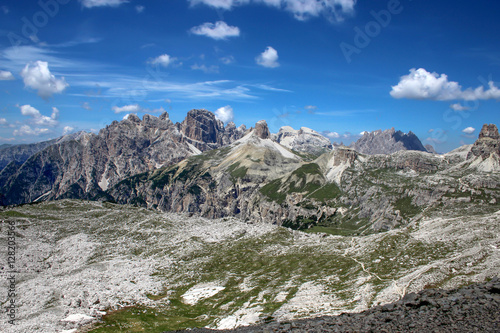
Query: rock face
[88, 165]
[487, 144]
[261, 130]
[387, 142]
[303, 140]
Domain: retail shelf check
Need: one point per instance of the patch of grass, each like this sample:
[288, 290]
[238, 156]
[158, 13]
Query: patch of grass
[327, 192]
[406, 208]
[272, 191]
[237, 172]
[164, 177]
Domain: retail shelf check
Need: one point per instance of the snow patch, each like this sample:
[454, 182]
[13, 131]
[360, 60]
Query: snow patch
[42, 196]
[77, 317]
[104, 182]
[201, 291]
[194, 150]
[242, 317]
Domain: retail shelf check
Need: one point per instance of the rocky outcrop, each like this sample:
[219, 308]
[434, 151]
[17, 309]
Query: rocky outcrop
[475, 308]
[387, 142]
[487, 144]
[261, 130]
[303, 140]
[430, 149]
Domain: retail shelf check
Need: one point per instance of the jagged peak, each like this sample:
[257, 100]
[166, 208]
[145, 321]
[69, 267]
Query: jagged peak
[261, 130]
[487, 144]
[489, 131]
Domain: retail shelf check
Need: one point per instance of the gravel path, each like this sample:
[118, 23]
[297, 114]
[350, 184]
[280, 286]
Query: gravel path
[475, 308]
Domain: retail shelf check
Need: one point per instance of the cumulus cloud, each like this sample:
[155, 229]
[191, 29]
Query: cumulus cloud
[268, 58]
[67, 130]
[225, 114]
[27, 130]
[421, 84]
[5, 76]
[37, 118]
[131, 108]
[102, 3]
[469, 130]
[3, 122]
[163, 60]
[459, 107]
[331, 135]
[37, 76]
[219, 30]
[334, 10]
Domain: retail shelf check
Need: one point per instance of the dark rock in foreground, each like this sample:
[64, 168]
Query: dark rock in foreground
[475, 308]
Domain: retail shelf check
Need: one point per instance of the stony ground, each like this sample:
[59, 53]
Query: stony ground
[104, 268]
[475, 308]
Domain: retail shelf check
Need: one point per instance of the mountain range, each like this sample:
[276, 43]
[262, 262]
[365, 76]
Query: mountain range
[293, 178]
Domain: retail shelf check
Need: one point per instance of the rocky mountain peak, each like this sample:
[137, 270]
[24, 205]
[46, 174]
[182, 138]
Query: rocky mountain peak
[387, 142]
[202, 128]
[487, 143]
[489, 131]
[303, 140]
[261, 130]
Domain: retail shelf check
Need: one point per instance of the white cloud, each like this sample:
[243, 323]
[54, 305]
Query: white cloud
[128, 108]
[225, 114]
[332, 135]
[222, 4]
[219, 30]
[163, 60]
[334, 10]
[139, 9]
[67, 130]
[5, 76]
[469, 130]
[458, 107]
[38, 118]
[135, 108]
[268, 58]
[102, 3]
[159, 110]
[27, 130]
[38, 76]
[421, 84]
[205, 69]
[3, 122]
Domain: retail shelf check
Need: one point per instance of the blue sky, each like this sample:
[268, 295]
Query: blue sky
[337, 66]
